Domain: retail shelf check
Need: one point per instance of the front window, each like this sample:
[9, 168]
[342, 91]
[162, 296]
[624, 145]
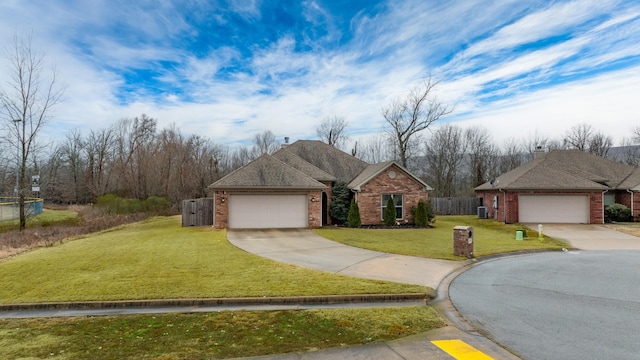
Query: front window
[397, 201]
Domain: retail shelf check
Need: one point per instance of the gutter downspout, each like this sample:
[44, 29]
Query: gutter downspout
[602, 206]
[632, 213]
[504, 205]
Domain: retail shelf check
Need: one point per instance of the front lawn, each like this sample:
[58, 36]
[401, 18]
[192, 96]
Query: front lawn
[158, 259]
[490, 236]
[208, 336]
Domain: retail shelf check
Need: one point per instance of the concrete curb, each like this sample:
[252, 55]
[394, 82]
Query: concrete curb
[287, 300]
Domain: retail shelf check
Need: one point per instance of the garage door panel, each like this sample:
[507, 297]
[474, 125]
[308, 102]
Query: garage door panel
[259, 211]
[554, 209]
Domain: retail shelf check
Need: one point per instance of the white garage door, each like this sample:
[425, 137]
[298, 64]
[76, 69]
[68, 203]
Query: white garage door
[267, 211]
[570, 209]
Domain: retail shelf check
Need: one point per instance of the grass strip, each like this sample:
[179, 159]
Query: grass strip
[212, 335]
[158, 259]
[490, 237]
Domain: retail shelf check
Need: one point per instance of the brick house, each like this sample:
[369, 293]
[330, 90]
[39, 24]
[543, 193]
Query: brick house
[561, 186]
[292, 188]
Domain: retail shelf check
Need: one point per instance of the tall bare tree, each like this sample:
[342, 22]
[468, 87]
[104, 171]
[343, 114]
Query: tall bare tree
[133, 149]
[332, 131]
[100, 146]
[483, 155]
[444, 154]
[26, 100]
[373, 148]
[578, 137]
[584, 138]
[264, 143]
[599, 144]
[511, 156]
[408, 116]
[72, 151]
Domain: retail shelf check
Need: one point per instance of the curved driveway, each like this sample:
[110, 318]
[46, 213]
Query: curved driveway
[304, 248]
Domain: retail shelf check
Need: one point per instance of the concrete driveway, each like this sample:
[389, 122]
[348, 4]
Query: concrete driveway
[589, 237]
[304, 248]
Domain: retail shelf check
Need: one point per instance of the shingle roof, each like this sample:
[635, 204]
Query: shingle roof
[267, 172]
[566, 170]
[342, 166]
[297, 162]
[374, 170]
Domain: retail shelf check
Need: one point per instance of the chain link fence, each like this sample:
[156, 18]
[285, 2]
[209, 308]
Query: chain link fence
[10, 209]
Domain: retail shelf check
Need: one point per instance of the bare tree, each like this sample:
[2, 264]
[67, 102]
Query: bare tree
[599, 144]
[72, 152]
[26, 102]
[630, 153]
[407, 117]
[373, 148]
[264, 143]
[100, 147]
[483, 155]
[444, 155]
[578, 137]
[332, 131]
[133, 150]
[532, 142]
[584, 138]
[511, 156]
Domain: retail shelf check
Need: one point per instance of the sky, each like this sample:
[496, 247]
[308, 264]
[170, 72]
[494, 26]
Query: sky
[227, 70]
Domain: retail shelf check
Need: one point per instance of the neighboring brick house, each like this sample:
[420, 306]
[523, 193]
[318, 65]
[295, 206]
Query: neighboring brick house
[293, 188]
[562, 186]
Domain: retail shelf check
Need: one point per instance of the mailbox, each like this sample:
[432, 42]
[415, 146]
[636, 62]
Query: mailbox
[463, 241]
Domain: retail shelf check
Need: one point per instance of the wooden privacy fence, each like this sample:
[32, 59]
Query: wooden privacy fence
[456, 205]
[197, 212]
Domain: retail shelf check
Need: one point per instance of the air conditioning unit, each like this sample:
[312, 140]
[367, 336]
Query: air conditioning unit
[483, 212]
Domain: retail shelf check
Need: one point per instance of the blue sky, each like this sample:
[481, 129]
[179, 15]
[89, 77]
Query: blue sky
[230, 69]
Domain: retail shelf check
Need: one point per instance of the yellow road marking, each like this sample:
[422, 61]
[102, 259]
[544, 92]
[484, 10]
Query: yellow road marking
[460, 350]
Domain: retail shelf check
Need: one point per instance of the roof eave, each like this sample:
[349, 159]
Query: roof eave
[280, 188]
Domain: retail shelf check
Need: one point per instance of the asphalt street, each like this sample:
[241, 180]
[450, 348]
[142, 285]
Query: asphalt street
[569, 305]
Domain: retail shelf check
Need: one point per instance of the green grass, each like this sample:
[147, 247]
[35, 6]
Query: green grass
[490, 237]
[46, 218]
[158, 259]
[207, 336]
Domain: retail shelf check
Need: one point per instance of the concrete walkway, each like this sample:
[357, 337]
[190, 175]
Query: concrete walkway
[304, 248]
[589, 237]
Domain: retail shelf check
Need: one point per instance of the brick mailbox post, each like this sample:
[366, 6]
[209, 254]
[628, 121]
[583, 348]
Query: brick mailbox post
[463, 241]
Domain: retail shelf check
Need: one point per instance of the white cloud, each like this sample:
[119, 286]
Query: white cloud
[607, 102]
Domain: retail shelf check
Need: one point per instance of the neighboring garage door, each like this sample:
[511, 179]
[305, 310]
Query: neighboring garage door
[573, 209]
[267, 211]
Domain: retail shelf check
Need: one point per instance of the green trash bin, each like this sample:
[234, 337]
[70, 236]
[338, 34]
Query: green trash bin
[519, 234]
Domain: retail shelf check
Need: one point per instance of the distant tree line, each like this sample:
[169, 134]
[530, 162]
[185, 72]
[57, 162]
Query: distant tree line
[134, 159]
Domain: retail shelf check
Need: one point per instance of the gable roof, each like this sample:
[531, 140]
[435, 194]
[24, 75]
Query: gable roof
[342, 166]
[374, 170]
[297, 162]
[267, 172]
[566, 170]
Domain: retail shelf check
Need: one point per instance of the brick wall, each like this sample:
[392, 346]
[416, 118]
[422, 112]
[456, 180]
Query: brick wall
[370, 196]
[221, 210]
[315, 208]
[596, 205]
